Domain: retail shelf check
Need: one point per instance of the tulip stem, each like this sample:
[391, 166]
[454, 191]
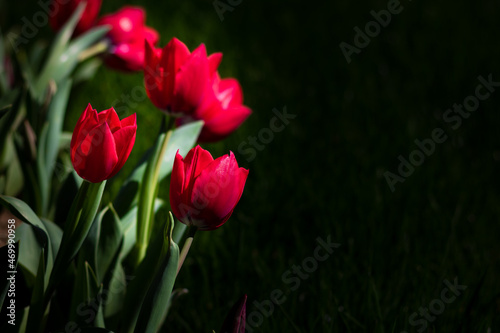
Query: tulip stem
[186, 247]
[148, 191]
[93, 50]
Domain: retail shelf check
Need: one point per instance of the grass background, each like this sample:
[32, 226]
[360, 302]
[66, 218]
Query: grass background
[323, 175]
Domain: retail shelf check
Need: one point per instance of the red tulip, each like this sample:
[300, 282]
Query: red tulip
[101, 143]
[62, 11]
[176, 79]
[221, 109]
[126, 37]
[204, 191]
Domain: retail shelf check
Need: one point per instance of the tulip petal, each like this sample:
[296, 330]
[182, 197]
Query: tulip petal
[177, 187]
[191, 82]
[87, 120]
[196, 160]
[124, 140]
[109, 116]
[223, 123]
[219, 187]
[98, 153]
[214, 62]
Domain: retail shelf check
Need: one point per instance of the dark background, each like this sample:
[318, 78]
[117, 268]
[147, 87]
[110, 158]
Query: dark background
[323, 175]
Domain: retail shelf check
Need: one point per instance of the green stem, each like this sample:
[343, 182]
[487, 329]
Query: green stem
[147, 194]
[186, 247]
[95, 49]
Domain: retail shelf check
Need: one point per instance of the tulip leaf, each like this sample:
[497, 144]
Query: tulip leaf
[129, 228]
[22, 211]
[35, 316]
[151, 275]
[87, 70]
[85, 291]
[116, 295]
[71, 56]
[76, 228]
[29, 250]
[103, 241]
[55, 119]
[55, 234]
[14, 180]
[57, 49]
[65, 54]
[182, 139]
[154, 308]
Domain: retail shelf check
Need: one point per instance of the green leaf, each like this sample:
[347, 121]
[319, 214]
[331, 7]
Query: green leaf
[103, 241]
[154, 308]
[85, 291]
[129, 228]
[182, 139]
[55, 234]
[55, 119]
[110, 239]
[64, 57]
[22, 211]
[14, 181]
[29, 250]
[87, 70]
[35, 317]
[76, 229]
[153, 264]
[57, 49]
[116, 292]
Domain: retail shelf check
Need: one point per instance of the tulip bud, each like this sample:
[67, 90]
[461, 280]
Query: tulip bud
[101, 143]
[204, 191]
[236, 318]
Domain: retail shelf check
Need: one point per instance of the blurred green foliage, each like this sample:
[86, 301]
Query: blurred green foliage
[324, 173]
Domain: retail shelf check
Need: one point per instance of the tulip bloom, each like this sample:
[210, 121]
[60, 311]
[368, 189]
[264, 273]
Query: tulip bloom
[204, 191]
[101, 143]
[221, 109]
[126, 38]
[176, 79]
[62, 11]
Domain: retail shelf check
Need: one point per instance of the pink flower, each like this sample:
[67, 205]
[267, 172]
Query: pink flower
[62, 11]
[204, 191]
[127, 35]
[101, 143]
